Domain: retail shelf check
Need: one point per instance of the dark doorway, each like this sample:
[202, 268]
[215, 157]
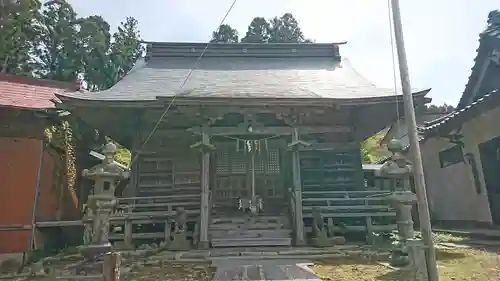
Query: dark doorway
[490, 160]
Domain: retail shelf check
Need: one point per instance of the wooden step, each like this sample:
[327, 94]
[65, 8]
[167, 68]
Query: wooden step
[161, 203]
[159, 199]
[164, 192]
[255, 226]
[242, 220]
[251, 233]
[250, 242]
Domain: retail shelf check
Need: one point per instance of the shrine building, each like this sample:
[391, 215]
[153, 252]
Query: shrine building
[268, 129]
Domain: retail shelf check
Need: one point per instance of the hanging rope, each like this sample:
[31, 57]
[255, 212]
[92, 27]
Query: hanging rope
[248, 142]
[394, 75]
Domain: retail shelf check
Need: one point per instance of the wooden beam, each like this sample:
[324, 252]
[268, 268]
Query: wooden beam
[227, 131]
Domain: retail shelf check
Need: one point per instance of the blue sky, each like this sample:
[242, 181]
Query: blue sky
[441, 36]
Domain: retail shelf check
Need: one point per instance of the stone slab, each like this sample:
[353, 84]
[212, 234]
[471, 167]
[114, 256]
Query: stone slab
[264, 270]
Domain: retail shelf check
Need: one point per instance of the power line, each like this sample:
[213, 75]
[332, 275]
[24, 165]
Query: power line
[394, 78]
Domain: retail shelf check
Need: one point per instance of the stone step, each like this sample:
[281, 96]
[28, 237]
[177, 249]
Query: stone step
[280, 233]
[250, 242]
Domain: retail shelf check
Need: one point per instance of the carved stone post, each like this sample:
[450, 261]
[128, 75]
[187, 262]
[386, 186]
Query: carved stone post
[408, 250]
[295, 145]
[205, 148]
[102, 202]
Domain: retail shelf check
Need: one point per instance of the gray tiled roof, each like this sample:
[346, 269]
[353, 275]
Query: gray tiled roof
[489, 40]
[487, 98]
[431, 126]
[301, 77]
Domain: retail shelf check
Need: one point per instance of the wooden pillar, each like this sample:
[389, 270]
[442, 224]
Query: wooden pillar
[128, 228]
[297, 188]
[128, 233]
[111, 267]
[132, 188]
[166, 238]
[252, 175]
[205, 148]
[205, 192]
[248, 172]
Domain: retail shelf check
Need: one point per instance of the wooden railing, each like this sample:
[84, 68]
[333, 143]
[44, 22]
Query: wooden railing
[366, 210]
[133, 211]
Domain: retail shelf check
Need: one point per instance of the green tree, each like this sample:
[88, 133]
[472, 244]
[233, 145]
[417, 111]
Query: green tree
[16, 34]
[445, 108]
[92, 45]
[67, 46]
[371, 151]
[258, 31]
[225, 34]
[285, 29]
[125, 49]
[56, 51]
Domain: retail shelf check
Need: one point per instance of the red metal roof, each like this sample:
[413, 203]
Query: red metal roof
[27, 92]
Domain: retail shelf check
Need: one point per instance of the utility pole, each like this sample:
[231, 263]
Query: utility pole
[418, 170]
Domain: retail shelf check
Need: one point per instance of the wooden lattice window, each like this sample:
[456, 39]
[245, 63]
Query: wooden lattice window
[267, 162]
[238, 163]
[273, 162]
[222, 165]
[234, 162]
[229, 160]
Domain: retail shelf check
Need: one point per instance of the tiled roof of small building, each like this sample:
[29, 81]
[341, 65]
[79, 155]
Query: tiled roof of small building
[27, 92]
[487, 95]
[274, 71]
[488, 101]
[489, 40]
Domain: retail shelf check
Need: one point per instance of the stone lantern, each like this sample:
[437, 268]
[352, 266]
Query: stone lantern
[102, 202]
[402, 199]
[408, 250]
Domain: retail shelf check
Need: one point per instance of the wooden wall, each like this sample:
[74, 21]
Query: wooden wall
[21, 134]
[173, 172]
[19, 164]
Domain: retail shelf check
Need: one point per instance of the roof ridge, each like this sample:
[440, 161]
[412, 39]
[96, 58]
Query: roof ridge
[188, 49]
